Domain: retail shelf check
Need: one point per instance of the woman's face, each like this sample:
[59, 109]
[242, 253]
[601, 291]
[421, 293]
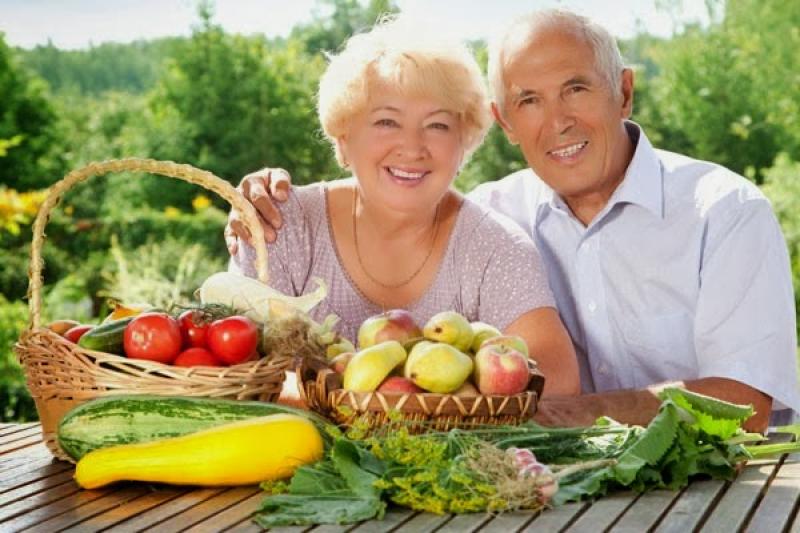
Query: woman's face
[404, 151]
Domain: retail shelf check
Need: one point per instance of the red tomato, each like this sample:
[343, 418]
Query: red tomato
[197, 357]
[194, 335]
[73, 334]
[233, 339]
[153, 336]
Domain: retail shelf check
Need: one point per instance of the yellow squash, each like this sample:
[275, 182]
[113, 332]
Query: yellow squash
[239, 453]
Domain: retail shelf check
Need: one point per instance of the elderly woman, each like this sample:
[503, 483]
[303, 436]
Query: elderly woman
[403, 111]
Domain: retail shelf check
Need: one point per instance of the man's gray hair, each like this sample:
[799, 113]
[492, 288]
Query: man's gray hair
[608, 58]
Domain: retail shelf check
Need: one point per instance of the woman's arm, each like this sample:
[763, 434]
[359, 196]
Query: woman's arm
[550, 346]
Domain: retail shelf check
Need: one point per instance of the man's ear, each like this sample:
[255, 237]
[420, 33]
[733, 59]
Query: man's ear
[627, 93]
[498, 116]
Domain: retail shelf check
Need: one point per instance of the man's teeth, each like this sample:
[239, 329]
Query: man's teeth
[406, 175]
[569, 150]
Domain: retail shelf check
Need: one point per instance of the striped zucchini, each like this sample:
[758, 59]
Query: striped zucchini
[130, 419]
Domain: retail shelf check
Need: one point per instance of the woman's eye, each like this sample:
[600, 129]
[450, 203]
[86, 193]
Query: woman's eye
[439, 126]
[386, 122]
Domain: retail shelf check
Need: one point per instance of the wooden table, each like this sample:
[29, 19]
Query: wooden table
[37, 493]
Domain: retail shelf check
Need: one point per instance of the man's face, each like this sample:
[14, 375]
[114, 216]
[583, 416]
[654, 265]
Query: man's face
[566, 119]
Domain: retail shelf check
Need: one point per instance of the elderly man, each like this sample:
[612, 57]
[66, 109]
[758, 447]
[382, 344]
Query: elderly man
[666, 270]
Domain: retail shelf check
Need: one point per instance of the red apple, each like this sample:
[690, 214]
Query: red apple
[398, 384]
[500, 369]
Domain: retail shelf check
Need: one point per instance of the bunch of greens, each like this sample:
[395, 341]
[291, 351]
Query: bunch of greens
[464, 471]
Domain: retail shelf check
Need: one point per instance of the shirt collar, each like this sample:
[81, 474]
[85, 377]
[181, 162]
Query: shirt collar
[639, 186]
[642, 182]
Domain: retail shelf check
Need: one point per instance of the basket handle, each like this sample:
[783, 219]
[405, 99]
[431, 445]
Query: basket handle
[164, 168]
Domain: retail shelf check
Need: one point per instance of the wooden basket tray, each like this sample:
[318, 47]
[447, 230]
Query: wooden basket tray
[422, 411]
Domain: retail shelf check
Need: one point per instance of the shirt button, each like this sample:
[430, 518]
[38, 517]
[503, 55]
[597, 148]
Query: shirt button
[602, 369]
[592, 307]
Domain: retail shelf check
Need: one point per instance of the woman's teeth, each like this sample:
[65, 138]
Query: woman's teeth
[402, 174]
[569, 150]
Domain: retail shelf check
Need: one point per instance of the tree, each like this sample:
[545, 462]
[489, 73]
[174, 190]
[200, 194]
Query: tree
[26, 118]
[327, 33]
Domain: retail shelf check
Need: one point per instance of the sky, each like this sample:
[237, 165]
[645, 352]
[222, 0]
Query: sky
[75, 24]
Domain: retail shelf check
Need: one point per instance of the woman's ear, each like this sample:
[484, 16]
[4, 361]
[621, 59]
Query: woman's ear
[509, 131]
[341, 151]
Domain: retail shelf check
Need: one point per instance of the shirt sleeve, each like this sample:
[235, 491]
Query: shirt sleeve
[745, 322]
[514, 280]
[289, 258]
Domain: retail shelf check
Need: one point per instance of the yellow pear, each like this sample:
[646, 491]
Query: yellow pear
[413, 354]
[439, 367]
[451, 328]
[369, 367]
[482, 331]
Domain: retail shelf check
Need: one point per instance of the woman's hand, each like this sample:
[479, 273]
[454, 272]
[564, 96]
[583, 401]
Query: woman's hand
[550, 346]
[261, 188]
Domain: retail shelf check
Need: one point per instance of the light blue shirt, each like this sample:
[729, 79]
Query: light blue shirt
[683, 275]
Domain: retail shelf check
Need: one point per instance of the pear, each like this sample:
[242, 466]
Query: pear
[393, 325]
[413, 354]
[482, 331]
[368, 368]
[451, 328]
[341, 346]
[439, 367]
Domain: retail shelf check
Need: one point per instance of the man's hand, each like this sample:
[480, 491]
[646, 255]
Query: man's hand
[260, 188]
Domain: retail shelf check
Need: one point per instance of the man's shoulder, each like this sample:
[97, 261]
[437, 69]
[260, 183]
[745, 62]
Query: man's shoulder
[517, 197]
[520, 181]
[710, 187]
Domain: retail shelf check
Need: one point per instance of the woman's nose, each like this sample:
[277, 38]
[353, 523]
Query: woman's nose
[413, 144]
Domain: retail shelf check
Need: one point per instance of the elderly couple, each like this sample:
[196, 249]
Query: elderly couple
[624, 267]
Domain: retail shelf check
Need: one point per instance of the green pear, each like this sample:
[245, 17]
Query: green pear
[413, 354]
[368, 368]
[482, 331]
[439, 367]
[341, 346]
[451, 328]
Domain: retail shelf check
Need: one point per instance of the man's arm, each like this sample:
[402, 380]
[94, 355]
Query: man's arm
[640, 406]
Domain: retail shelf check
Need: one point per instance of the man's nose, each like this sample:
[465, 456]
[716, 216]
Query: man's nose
[560, 117]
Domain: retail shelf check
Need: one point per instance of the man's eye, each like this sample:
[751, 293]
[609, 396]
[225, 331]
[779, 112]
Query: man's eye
[527, 100]
[576, 89]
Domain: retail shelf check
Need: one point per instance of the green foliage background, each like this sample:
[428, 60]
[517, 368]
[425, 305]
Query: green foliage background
[231, 104]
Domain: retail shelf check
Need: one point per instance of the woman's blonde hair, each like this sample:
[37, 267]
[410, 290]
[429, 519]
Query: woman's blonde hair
[402, 55]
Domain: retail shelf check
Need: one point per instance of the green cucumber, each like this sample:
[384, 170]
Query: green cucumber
[129, 419]
[106, 337]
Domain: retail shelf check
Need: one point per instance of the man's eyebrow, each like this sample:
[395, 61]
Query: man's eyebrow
[577, 80]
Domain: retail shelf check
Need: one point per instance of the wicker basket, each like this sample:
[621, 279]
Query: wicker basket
[61, 374]
[323, 392]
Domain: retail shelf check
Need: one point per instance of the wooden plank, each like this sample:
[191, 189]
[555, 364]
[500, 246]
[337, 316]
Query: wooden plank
[557, 518]
[36, 494]
[24, 476]
[53, 509]
[86, 511]
[465, 523]
[505, 522]
[150, 498]
[230, 516]
[732, 511]
[426, 522]
[775, 510]
[646, 512]
[207, 508]
[9, 429]
[38, 451]
[248, 526]
[166, 510]
[19, 444]
[691, 506]
[394, 517]
[603, 512]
